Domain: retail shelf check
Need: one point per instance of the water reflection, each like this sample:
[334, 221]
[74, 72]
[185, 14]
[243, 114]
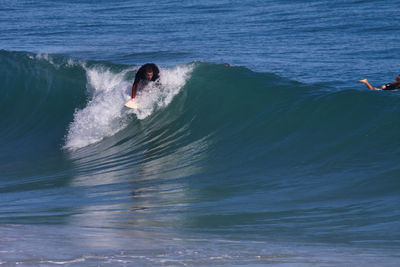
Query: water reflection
[133, 185]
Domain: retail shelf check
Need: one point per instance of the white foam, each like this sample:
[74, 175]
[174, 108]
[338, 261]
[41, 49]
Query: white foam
[105, 114]
[157, 96]
[50, 59]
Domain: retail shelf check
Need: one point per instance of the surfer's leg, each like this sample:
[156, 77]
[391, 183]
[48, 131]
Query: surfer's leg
[365, 81]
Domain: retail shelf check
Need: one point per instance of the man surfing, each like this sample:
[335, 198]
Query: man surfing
[148, 72]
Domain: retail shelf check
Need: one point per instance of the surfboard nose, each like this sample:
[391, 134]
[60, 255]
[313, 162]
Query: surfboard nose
[131, 104]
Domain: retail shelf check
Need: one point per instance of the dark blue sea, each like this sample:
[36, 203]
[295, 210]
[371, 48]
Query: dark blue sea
[258, 147]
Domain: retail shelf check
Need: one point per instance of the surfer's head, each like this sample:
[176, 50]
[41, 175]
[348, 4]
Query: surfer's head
[148, 73]
[398, 78]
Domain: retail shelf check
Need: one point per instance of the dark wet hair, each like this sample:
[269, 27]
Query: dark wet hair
[398, 78]
[146, 68]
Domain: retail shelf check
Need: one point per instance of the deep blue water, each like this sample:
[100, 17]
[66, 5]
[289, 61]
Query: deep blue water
[281, 158]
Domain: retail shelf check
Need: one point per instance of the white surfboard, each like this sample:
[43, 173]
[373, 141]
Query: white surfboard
[132, 104]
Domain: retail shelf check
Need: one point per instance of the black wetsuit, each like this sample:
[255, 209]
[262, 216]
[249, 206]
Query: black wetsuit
[392, 86]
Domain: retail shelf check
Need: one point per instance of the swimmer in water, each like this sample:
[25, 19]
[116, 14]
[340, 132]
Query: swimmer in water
[389, 86]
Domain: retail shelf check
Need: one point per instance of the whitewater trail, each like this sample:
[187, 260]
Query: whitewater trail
[105, 114]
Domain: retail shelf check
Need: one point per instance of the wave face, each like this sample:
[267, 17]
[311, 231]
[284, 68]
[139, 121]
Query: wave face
[213, 149]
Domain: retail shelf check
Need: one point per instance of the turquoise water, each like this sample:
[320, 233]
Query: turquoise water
[281, 158]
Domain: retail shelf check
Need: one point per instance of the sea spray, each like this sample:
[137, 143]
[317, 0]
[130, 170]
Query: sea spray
[105, 114]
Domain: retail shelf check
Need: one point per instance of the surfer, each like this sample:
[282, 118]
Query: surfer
[148, 72]
[389, 86]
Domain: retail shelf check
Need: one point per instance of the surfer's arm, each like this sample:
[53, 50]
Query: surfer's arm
[134, 89]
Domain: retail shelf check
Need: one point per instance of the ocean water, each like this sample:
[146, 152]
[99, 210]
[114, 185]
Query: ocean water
[280, 158]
